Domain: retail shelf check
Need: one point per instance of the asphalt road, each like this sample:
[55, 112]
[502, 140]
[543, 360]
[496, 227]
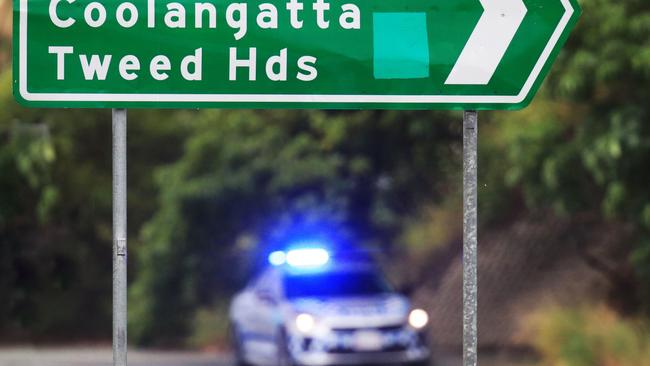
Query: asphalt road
[103, 357]
[86, 356]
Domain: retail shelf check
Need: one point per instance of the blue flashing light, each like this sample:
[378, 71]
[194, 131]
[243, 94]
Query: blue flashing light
[307, 257]
[277, 258]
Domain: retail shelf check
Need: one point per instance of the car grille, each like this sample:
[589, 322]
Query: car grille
[343, 350]
[389, 328]
[393, 339]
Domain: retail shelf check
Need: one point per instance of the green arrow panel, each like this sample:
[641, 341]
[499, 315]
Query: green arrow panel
[349, 54]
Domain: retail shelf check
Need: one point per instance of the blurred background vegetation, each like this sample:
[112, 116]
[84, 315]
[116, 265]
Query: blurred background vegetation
[208, 189]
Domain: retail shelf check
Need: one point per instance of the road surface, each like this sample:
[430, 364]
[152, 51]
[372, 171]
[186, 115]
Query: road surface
[103, 357]
[88, 356]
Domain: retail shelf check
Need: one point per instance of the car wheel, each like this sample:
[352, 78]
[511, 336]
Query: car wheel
[237, 347]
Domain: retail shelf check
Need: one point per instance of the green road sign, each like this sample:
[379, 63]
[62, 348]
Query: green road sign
[417, 54]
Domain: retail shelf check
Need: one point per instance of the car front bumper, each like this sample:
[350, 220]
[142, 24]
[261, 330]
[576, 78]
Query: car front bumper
[393, 345]
[414, 356]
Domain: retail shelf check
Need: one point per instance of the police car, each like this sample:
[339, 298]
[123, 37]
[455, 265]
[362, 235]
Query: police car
[311, 306]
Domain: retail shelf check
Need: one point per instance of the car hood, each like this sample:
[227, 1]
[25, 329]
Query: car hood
[354, 312]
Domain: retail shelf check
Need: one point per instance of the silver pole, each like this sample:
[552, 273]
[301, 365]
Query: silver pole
[119, 237]
[470, 241]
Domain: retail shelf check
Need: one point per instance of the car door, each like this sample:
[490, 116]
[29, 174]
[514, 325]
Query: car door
[255, 316]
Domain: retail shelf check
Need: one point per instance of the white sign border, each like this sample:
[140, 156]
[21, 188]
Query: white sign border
[284, 98]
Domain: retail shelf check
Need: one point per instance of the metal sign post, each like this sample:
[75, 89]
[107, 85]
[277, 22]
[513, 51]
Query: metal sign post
[470, 241]
[119, 237]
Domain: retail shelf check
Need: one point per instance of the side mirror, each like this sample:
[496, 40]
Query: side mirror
[266, 297]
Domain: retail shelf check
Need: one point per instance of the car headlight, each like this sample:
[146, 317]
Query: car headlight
[418, 318]
[305, 323]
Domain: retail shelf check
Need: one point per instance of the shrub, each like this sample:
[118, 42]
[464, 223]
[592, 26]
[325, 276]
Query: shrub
[210, 328]
[589, 336]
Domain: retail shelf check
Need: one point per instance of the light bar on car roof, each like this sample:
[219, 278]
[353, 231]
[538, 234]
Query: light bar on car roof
[308, 257]
[300, 257]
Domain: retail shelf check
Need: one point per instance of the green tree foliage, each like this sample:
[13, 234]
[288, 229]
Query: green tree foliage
[47, 262]
[255, 179]
[55, 212]
[584, 145]
[5, 31]
[588, 336]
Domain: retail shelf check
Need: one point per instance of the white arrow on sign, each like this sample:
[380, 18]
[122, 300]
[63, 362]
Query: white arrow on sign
[488, 42]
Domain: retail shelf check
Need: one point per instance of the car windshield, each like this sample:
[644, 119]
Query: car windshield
[335, 284]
